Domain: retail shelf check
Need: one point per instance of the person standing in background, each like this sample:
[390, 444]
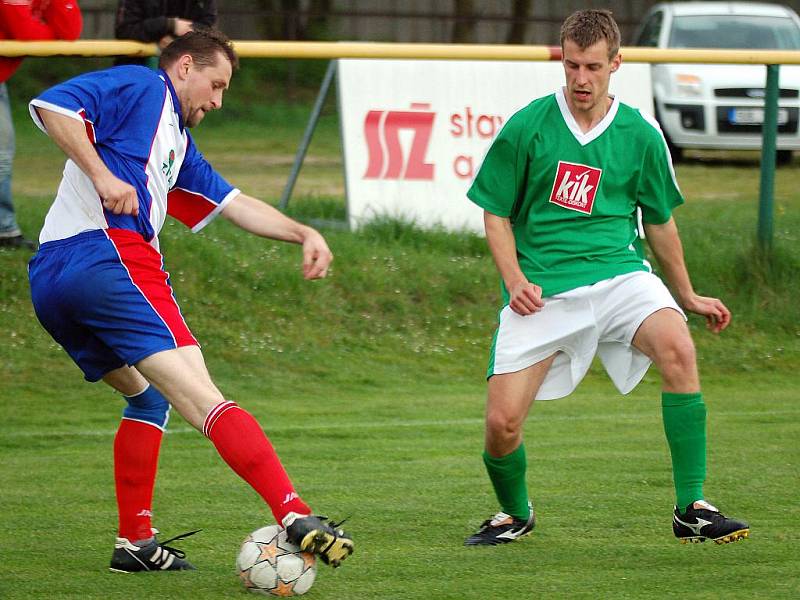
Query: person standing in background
[160, 22]
[25, 20]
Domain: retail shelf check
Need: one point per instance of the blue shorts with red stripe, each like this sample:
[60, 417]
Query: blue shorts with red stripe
[104, 296]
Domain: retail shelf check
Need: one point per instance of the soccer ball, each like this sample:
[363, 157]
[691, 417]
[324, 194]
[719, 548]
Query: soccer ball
[269, 564]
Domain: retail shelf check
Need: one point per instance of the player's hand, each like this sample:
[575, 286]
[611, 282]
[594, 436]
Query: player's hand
[117, 196]
[317, 256]
[525, 298]
[717, 315]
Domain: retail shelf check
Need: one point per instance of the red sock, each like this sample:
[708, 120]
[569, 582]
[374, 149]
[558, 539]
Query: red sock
[136, 447]
[242, 444]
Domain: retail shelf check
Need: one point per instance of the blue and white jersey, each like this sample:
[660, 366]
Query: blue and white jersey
[133, 117]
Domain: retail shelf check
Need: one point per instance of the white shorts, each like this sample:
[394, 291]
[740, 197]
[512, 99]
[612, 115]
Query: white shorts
[594, 319]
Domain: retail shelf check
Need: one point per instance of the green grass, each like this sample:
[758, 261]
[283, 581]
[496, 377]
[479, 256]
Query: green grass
[404, 463]
[370, 384]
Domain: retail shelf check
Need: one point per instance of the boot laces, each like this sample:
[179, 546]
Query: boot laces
[177, 552]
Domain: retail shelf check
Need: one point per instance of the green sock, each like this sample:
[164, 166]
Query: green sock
[685, 427]
[507, 474]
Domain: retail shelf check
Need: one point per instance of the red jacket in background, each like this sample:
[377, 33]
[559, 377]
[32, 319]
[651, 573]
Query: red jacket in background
[36, 20]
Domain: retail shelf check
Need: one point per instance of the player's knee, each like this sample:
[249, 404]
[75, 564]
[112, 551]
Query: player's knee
[678, 358]
[148, 406]
[502, 425]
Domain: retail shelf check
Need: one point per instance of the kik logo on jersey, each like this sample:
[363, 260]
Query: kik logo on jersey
[575, 186]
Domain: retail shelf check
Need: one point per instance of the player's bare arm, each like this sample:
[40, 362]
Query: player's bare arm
[70, 135]
[666, 245]
[525, 297]
[259, 218]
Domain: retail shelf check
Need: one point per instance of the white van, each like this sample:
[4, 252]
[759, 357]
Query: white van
[721, 106]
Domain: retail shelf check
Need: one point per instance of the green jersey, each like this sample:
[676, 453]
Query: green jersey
[572, 197]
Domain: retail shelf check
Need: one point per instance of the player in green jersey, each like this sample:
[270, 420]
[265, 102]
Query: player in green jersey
[562, 188]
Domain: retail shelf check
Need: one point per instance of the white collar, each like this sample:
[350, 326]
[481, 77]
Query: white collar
[594, 132]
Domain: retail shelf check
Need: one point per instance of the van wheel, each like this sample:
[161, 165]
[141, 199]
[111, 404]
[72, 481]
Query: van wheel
[783, 157]
[675, 151]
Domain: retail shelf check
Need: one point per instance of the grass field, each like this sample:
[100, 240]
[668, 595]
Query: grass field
[370, 386]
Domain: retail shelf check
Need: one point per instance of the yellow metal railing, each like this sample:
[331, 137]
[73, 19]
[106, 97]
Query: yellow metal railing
[332, 50]
[329, 50]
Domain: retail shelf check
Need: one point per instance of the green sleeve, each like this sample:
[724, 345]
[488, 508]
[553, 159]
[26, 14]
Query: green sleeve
[497, 184]
[658, 189]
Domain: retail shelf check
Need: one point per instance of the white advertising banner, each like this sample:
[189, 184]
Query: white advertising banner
[415, 131]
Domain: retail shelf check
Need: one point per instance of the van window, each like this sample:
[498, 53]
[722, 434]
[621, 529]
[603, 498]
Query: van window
[735, 31]
[651, 30]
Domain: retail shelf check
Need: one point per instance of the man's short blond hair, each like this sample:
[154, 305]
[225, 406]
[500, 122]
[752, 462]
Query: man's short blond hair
[587, 27]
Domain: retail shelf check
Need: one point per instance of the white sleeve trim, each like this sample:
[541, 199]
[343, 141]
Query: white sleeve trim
[655, 125]
[35, 103]
[220, 207]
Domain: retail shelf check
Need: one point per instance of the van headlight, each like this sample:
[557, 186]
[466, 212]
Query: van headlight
[688, 86]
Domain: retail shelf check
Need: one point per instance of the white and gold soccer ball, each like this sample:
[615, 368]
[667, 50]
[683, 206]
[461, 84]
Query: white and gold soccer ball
[269, 564]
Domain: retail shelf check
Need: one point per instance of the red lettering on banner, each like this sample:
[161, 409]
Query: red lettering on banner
[457, 129]
[463, 167]
[389, 158]
[382, 129]
[372, 132]
[575, 186]
[485, 126]
[467, 125]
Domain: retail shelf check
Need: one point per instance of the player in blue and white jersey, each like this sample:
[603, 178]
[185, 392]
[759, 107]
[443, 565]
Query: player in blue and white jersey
[99, 287]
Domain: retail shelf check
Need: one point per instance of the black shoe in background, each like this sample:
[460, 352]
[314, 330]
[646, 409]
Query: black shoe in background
[17, 242]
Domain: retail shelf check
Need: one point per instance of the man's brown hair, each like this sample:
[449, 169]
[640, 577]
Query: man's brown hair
[203, 45]
[587, 27]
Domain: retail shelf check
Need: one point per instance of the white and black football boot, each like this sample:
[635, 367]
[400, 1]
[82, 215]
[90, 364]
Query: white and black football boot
[501, 529]
[155, 556]
[695, 525]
